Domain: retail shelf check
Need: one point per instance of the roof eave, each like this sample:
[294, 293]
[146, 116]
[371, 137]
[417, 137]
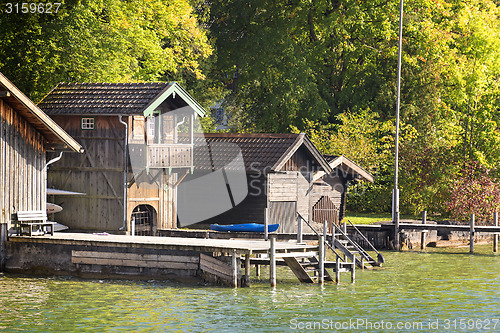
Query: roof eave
[64, 137]
[343, 160]
[302, 139]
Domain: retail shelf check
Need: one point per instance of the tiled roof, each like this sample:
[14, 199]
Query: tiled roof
[101, 98]
[259, 151]
[330, 158]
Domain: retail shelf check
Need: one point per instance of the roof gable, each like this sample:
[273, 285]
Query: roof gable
[56, 137]
[116, 98]
[347, 166]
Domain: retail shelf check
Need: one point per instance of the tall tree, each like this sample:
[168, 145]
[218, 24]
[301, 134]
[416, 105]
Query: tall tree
[103, 40]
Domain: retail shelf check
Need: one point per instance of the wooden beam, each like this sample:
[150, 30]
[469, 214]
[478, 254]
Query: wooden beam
[272, 258]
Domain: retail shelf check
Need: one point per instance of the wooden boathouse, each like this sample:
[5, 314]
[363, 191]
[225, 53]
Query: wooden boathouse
[286, 175]
[138, 140]
[26, 135]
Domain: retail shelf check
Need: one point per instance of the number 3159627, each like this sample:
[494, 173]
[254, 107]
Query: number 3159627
[32, 7]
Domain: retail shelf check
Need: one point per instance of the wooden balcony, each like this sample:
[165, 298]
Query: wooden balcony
[169, 155]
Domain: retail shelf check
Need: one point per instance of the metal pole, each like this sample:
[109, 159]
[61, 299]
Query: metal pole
[495, 236]
[266, 223]
[395, 197]
[471, 239]
[422, 238]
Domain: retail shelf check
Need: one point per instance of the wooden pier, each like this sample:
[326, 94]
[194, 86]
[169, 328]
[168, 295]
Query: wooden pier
[224, 261]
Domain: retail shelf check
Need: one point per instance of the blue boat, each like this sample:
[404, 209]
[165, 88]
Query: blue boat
[245, 227]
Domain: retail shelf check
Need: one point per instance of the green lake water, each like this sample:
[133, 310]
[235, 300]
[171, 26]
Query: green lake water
[435, 291]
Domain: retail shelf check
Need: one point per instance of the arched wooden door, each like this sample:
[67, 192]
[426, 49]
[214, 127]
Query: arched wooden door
[145, 220]
[325, 210]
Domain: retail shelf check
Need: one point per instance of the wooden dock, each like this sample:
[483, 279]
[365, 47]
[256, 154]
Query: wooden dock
[225, 261]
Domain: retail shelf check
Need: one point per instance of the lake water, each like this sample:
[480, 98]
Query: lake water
[435, 291]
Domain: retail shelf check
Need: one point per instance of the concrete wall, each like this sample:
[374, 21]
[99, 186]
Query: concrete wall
[46, 257]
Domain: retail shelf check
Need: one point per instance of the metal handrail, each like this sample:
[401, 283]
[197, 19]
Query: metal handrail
[380, 257]
[359, 248]
[317, 234]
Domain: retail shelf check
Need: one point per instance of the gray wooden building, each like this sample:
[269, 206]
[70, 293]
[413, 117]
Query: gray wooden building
[286, 174]
[26, 134]
[138, 140]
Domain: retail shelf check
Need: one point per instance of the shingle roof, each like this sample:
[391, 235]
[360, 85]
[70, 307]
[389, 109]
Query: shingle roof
[330, 158]
[101, 98]
[259, 151]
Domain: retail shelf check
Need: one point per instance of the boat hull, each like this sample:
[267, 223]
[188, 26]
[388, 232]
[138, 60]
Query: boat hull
[245, 227]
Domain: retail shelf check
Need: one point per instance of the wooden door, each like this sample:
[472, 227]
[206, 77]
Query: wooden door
[283, 212]
[325, 210]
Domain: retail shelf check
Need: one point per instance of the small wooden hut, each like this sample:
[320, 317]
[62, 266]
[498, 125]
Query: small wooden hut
[138, 140]
[26, 134]
[286, 174]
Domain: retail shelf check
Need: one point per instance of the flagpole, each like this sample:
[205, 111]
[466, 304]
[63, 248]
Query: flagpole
[395, 193]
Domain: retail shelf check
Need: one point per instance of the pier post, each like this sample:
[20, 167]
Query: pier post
[247, 270]
[325, 230]
[321, 264]
[422, 236]
[337, 270]
[299, 229]
[272, 261]
[257, 270]
[235, 269]
[3, 245]
[495, 236]
[471, 238]
[266, 223]
[353, 271]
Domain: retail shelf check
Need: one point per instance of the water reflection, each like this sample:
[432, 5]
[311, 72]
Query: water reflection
[412, 287]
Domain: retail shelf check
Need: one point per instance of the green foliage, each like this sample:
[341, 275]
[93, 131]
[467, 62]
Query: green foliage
[366, 139]
[475, 192]
[107, 40]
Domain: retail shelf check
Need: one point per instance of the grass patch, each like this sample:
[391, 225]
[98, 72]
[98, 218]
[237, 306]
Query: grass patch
[371, 218]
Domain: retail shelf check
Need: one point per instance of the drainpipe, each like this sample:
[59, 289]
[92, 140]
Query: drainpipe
[54, 160]
[125, 153]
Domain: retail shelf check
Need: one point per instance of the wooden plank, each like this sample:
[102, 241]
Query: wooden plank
[298, 270]
[296, 254]
[214, 266]
[135, 256]
[133, 263]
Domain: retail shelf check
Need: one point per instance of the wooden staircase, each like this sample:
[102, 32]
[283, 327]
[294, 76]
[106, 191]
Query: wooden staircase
[352, 250]
[307, 268]
[348, 253]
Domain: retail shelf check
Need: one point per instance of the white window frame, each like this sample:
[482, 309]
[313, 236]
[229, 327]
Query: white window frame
[87, 123]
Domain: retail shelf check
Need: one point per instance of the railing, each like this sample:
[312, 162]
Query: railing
[380, 257]
[169, 156]
[299, 235]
